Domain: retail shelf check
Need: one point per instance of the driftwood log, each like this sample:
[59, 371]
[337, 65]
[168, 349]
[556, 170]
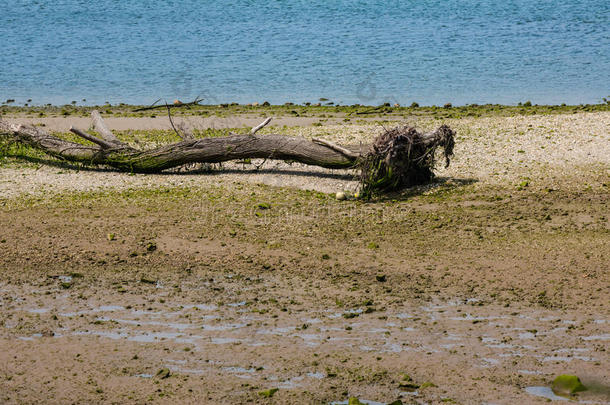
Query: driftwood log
[382, 162]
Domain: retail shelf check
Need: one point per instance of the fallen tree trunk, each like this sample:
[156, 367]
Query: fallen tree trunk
[378, 161]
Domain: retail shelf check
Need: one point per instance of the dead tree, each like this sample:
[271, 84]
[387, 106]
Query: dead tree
[389, 163]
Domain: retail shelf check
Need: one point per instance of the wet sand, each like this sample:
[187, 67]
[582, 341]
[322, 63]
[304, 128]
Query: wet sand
[212, 288]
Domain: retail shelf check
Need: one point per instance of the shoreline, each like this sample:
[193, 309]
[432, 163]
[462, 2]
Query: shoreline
[224, 117]
[358, 109]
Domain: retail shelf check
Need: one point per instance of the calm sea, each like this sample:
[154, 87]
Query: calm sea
[367, 52]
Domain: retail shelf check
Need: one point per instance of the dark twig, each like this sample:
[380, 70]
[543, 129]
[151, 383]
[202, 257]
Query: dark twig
[153, 106]
[184, 135]
[380, 109]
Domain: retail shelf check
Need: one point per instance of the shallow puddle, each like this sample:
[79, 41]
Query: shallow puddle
[596, 337]
[530, 372]
[544, 392]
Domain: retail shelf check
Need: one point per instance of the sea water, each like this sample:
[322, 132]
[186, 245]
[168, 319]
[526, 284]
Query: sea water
[366, 52]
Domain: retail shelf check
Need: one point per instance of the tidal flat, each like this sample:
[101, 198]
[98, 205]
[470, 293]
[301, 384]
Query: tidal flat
[223, 283]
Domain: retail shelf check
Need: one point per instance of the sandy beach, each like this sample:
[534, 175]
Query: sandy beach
[218, 287]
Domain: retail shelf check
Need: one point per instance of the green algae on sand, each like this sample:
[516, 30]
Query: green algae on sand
[567, 384]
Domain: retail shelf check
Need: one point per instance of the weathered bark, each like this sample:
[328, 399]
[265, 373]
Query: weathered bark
[112, 152]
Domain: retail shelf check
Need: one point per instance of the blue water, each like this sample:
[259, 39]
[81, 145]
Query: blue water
[367, 52]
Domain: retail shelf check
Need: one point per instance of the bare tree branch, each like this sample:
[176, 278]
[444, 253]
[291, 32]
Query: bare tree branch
[207, 150]
[260, 126]
[346, 152]
[91, 138]
[100, 126]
